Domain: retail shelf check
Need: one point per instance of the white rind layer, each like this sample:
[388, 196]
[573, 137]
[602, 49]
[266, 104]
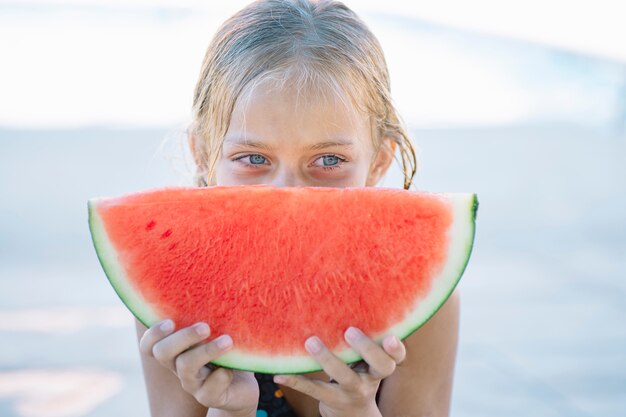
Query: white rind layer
[460, 243]
[113, 268]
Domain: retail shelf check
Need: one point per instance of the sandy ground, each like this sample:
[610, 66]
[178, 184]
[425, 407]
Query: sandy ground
[543, 311]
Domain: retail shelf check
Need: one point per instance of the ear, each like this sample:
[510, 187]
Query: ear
[381, 162]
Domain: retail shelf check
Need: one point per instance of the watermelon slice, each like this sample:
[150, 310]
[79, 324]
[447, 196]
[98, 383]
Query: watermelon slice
[271, 266]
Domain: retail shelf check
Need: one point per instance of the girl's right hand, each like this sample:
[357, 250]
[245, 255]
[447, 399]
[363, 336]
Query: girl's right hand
[183, 354]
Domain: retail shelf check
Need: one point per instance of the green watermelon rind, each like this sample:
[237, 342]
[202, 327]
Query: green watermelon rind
[461, 241]
[465, 208]
[107, 255]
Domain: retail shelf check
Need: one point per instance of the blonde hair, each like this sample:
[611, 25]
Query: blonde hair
[320, 44]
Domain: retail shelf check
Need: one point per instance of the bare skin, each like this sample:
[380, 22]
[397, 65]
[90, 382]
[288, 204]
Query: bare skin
[281, 138]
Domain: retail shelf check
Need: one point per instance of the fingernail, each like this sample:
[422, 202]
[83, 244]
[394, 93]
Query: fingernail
[313, 344]
[353, 334]
[393, 343]
[166, 326]
[202, 329]
[224, 341]
[279, 379]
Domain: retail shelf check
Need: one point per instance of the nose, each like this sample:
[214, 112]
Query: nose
[287, 177]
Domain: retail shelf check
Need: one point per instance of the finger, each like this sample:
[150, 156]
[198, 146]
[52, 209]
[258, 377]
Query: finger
[336, 369]
[212, 392]
[153, 335]
[320, 390]
[381, 365]
[166, 350]
[191, 365]
[395, 348]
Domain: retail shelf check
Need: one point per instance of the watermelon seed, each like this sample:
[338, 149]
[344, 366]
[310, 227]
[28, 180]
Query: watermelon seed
[167, 233]
[150, 225]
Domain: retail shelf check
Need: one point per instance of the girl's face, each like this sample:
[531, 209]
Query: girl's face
[280, 139]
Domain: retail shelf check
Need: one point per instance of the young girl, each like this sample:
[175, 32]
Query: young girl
[296, 93]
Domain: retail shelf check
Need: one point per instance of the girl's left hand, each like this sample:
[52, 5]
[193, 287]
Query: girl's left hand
[349, 392]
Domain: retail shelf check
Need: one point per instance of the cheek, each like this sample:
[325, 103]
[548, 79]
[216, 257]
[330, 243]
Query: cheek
[223, 175]
[353, 176]
[360, 174]
[228, 172]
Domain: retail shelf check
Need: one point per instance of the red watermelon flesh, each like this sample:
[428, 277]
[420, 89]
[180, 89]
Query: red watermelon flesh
[271, 266]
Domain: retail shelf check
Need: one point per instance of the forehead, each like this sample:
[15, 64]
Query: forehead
[300, 114]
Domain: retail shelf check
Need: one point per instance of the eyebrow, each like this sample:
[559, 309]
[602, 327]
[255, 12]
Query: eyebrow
[243, 142]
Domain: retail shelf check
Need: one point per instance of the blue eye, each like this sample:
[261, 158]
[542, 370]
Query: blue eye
[255, 159]
[330, 162]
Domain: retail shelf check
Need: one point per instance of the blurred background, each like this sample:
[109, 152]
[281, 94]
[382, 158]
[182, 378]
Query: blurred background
[522, 102]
